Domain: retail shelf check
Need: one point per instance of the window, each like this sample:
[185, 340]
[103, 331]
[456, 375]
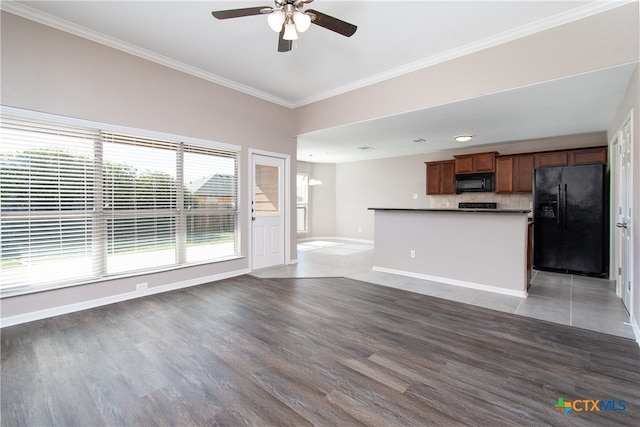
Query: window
[78, 204]
[302, 182]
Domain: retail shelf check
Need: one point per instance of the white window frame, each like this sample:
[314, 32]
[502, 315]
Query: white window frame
[188, 141]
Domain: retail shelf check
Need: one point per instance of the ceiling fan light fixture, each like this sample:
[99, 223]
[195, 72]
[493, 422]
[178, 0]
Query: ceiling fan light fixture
[302, 21]
[275, 20]
[290, 30]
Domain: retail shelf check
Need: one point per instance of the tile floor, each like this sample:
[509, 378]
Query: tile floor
[579, 301]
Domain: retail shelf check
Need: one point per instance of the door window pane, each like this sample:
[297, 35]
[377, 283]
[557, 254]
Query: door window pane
[266, 197]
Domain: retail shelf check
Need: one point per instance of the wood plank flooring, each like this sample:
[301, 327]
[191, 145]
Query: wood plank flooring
[297, 352]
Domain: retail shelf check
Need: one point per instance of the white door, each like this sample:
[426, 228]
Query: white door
[267, 211]
[623, 216]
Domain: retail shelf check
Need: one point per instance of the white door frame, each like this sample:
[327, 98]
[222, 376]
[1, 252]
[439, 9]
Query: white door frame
[616, 181]
[286, 202]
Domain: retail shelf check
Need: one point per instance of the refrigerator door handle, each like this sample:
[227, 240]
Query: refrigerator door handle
[558, 206]
[564, 207]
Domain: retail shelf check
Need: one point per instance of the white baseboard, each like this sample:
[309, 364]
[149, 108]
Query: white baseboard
[636, 328]
[448, 281]
[84, 305]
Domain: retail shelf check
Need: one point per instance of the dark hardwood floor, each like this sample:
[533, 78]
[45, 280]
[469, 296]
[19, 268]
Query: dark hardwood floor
[323, 351]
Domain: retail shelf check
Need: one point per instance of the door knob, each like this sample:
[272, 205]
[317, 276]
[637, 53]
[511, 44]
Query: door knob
[621, 225]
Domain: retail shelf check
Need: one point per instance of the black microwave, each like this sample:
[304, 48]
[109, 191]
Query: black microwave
[474, 182]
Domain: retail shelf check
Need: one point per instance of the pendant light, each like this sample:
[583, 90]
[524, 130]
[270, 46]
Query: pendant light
[312, 181]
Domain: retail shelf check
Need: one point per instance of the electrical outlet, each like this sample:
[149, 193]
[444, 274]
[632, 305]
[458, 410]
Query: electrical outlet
[415, 197]
[141, 286]
[359, 229]
[412, 254]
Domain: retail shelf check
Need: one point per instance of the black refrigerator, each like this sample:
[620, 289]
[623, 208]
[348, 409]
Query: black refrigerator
[570, 219]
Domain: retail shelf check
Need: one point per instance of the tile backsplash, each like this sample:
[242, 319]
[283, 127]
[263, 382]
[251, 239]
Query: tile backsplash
[504, 201]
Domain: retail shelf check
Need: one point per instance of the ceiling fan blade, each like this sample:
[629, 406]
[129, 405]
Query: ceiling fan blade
[238, 13]
[333, 24]
[284, 45]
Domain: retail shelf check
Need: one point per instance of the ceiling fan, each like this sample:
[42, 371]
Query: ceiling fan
[288, 18]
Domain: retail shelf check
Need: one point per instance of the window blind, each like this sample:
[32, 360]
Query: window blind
[140, 197]
[210, 203]
[79, 204]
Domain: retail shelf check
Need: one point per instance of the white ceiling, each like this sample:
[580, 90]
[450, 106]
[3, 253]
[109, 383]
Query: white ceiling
[393, 37]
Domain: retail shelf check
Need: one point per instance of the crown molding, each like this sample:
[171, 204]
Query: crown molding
[576, 14]
[78, 30]
[590, 9]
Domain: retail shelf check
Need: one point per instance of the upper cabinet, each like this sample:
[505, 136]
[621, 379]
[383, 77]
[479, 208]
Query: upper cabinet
[514, 174]
[552, 158]
[583, 156]
[441, 177]
[504, 174]
[588, 156]
[478, 162]
[523, 165]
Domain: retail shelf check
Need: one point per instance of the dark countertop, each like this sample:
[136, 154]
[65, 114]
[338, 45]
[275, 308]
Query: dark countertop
[497, 211]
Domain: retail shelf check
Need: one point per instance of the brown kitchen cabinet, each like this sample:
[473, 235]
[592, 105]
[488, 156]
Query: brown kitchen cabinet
[504, 174]
[473, 163]
[581, 156]
[441, 177]
[587, 156]
[514, 174]
[523, 165]
[552, 158]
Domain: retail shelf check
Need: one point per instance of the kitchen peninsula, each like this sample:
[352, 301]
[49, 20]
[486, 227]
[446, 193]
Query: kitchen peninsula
[484, 249]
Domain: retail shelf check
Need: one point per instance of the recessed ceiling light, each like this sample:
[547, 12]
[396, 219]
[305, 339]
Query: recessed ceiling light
[463, 138]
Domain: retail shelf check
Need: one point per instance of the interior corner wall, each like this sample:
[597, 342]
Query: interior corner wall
[51, 71]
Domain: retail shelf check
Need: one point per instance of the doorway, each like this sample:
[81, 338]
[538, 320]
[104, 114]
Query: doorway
[269, 219]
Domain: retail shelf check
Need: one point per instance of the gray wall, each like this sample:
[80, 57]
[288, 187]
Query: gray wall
[322, 201]
[589, 44]
[51, 71]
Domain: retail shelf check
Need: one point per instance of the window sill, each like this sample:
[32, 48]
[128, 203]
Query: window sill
[32, 289]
